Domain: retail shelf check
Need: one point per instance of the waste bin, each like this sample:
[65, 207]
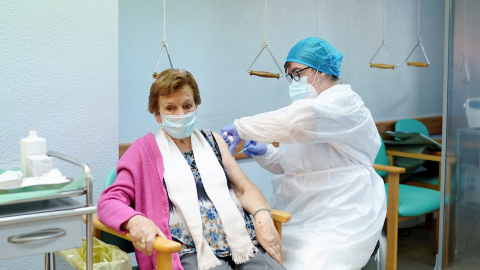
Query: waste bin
[105, 257]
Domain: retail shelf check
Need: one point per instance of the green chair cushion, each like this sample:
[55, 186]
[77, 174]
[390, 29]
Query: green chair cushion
[416, 201]
[110, 178]
[381, 173]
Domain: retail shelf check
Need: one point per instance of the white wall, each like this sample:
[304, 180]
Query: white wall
[59, 75]
[218, 40]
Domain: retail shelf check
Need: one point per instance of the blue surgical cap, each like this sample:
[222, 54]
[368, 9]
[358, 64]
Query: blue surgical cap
[318, 54]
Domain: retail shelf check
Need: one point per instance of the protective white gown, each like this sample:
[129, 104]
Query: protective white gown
[324, 178]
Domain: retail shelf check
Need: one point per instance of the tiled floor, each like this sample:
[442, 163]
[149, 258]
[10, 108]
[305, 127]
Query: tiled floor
[416, 248]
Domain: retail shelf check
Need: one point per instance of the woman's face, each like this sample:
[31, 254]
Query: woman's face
[309, 72]
[178, 103]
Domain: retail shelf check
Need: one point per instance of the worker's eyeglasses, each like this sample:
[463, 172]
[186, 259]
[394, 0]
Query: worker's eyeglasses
[295, 75]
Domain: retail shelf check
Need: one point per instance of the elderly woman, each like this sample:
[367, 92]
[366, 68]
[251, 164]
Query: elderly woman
[183, 184]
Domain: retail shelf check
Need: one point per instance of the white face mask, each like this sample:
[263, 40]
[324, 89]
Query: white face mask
[180, 126]
[301, 89]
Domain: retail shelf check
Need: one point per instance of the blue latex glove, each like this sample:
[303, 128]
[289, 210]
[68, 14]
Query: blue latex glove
[254, 148]
[230, 135]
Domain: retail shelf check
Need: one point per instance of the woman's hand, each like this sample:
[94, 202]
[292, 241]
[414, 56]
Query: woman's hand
[267, 235]
[143, 232]
[254, 148]
[230, 135]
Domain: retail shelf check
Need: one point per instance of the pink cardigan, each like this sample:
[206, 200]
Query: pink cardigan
[138, 190]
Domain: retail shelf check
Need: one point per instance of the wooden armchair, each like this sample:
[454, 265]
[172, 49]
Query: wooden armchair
[164, 247]
[403, 202]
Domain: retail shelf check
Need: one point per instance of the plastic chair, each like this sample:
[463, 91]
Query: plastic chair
[403, 202]
[163, 247]
[430, 176]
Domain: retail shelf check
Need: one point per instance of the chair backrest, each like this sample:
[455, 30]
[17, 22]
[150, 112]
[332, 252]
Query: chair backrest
[110, 178]
[411, 125]
[382, 158]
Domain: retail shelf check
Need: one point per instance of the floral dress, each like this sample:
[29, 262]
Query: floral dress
[211, 223]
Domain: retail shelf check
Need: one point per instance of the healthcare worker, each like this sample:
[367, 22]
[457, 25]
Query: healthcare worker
[328, 142]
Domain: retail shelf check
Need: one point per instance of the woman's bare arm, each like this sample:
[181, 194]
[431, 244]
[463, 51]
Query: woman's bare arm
[251, 199]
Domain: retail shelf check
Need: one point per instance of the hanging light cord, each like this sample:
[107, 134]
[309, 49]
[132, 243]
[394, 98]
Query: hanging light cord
[164, 44]
[316, 18]
[164, 23]
[265, 45]
[164, 40]
[418, 21]
[383, 38]
[383, 44]
[265, 25]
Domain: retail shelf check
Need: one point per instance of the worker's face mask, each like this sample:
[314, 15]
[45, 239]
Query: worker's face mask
[301, 89]
[180, 126]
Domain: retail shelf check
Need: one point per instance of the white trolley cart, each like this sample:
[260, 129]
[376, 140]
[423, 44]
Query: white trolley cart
[42, 220]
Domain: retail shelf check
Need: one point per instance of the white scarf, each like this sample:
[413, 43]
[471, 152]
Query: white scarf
[182, 192]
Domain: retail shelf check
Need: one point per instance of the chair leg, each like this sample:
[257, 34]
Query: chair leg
[392, 240]
[437, 232]
[429, 220]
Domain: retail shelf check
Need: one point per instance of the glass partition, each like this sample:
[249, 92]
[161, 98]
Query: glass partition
[460, 235]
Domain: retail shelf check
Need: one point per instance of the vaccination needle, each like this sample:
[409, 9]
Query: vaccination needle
[241, 151]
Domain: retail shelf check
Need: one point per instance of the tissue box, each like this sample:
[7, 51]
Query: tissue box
[38, 165]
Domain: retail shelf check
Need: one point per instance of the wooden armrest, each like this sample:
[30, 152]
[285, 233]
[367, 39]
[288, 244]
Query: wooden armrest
[393, 180]
[161, 244]
[388, 168]
[437, 158]
[281, 216]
